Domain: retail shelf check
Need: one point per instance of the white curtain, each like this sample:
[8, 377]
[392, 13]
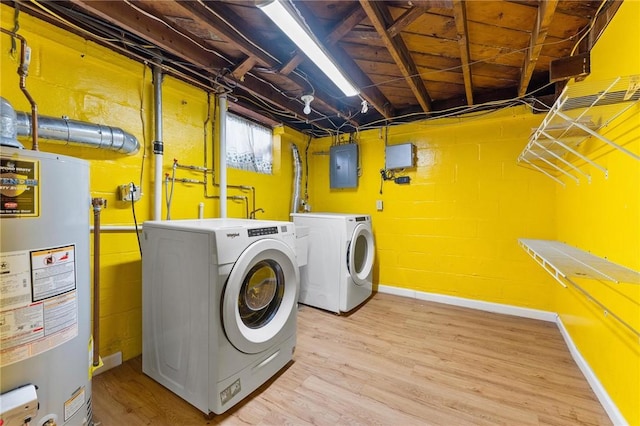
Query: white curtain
[249, 145]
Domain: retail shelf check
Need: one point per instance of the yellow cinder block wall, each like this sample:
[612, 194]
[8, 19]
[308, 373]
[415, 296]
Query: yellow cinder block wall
[604, 218]
[454, 229]
[77, 78]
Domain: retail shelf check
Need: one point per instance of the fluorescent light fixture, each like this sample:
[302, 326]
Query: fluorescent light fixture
[282, 17]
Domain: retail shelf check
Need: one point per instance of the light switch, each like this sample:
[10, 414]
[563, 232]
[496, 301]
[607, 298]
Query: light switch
[379, 205]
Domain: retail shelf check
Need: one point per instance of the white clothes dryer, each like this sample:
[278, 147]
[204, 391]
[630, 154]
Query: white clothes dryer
[219, 306]
[341, 251]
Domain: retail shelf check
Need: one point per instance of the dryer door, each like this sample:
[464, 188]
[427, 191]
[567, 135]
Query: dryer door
[260, 295]
[360, 254]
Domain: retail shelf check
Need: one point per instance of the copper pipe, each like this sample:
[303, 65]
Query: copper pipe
[97, 204]
[23, 71]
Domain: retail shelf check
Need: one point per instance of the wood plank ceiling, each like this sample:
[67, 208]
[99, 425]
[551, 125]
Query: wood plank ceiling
[410, 60]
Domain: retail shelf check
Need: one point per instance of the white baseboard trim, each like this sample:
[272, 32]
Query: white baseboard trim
[609, 406]
[498, 308]
[109, 362]
[607, 403]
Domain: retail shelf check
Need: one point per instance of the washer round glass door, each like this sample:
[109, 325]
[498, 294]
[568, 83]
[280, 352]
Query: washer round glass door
[360, 254]
[260, 295]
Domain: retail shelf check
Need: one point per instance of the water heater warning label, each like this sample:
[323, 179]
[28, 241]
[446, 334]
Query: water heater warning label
[19, 187]
[38, 302]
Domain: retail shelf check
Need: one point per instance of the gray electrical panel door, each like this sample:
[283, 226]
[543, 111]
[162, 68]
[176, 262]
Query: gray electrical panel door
[343, 166]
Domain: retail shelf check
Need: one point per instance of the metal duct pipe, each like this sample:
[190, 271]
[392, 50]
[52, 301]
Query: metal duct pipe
[297, 181]
[223, 155]
[79, 133]
[158, 146]
[8, 131]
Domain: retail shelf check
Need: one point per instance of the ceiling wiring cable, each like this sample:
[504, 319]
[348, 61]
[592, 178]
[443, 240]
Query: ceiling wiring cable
[293, 98]
[112, 43]
[372, 124]
[191, 69]
[259, 102]
[457, 67]
[305, 77]
[282, 114]
[297, 71]
[151, 16]
[93, 22]
[465, 109]
[486, 60]
[69, 23]
[146, 51]
[112, 36]
[175, 30]
[324, 116]
[589, 28]
[239, 33]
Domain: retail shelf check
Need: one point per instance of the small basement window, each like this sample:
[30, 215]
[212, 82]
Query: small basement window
[249, 145]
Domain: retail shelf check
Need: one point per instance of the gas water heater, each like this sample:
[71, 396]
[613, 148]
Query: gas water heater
[45, 291]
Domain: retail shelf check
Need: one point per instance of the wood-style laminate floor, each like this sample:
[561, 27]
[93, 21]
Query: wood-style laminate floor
[394, 361]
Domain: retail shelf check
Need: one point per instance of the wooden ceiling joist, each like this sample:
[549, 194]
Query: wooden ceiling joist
[419, 8]
[405, 20]
[408, 58]
[189, 50]
[460, 16]
[381, 19]
[368, 91]
[243, 67]
[343, 27]
[224, 24]
[546, 10]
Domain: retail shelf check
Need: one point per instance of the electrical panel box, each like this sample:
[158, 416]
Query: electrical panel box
[343, 166]
[401, 156]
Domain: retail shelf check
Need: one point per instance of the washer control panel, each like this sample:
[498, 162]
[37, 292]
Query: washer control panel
[257, 232]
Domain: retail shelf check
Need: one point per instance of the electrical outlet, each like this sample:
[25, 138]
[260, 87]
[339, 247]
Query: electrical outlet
[128, 192]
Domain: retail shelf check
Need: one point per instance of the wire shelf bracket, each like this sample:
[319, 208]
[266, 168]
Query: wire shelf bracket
[564, 262]
[580, 113]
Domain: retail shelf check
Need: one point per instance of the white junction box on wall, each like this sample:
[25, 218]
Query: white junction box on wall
[401, 156]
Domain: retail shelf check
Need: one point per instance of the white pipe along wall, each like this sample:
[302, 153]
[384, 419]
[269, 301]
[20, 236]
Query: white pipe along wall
[158, 147]
[223, 155]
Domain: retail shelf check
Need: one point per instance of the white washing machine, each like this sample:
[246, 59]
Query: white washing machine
[338, 274]
[219, 306]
